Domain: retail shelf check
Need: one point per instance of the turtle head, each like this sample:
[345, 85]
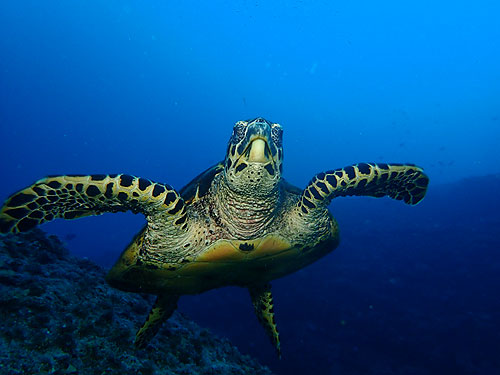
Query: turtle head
[254, 156]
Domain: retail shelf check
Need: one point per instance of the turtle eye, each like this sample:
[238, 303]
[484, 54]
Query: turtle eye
[238, 133]
[277, 135]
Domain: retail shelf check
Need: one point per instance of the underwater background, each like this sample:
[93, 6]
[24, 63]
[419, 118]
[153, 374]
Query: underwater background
[153, 88]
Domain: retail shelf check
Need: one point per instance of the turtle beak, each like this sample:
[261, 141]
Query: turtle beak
[258, 151]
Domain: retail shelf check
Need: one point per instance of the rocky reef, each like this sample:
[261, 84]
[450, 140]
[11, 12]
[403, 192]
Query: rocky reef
[58, 316]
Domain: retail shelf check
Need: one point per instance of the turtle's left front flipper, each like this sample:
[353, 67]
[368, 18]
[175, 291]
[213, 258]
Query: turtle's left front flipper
[71, 197]
[398, 181]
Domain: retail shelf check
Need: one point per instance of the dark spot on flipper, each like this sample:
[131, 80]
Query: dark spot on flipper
[32, 205]
[320, 176]
[93, 191]
[364, 168]
[330, 178]
[169, 198]
[122, 196]
[322, 186]
[20, 199]
[177, 207]
[307, 194]
[315, 192]
[17, 213]
[26, 224]
[36, 215]
[181, 220]
[418, 192]
[246, 246]
[157, 190]
[109, 190]
[308, 203]
[144, 183]
[79, 188]
[39, 190]
[350, 172]
[54, 184]
[422, 181]
[97, 177]
[126, 180]
[383, 166]
[406, 197]
[384, 177]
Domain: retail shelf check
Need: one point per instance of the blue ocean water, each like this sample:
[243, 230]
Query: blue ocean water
[153, 88]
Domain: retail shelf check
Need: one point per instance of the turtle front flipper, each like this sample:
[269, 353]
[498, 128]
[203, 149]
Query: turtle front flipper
[71, 197]
[262, 301]
[398, 181]
[163, 309]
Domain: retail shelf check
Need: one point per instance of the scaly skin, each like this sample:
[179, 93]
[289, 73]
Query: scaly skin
[238, 223]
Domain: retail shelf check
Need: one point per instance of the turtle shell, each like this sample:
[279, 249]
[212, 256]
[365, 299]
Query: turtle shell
[223, 263]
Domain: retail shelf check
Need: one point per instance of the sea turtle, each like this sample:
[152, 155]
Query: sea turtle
[237, 223]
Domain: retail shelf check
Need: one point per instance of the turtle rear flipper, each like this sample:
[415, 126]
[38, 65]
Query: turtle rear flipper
[163, 309]
[72, 197]
[398, 181]
[262, 301]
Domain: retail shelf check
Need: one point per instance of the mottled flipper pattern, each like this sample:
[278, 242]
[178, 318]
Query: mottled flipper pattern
[401, 182]
[163, 309]
[71, 197]
[263, 305]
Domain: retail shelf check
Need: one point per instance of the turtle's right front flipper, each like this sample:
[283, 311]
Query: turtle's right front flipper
[398, 181]
[71, 197]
